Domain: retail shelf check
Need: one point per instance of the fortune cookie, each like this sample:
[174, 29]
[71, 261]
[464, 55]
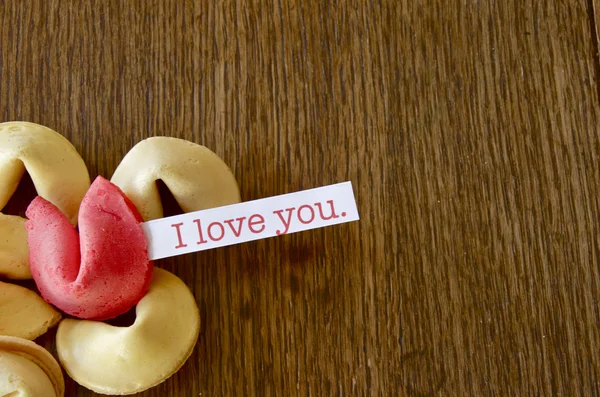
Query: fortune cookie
[23, 313]
[101, 272]
[28, 370]
[197, 177]
[125, 360]
[58, 174]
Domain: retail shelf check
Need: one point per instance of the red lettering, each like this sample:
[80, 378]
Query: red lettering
[240, 222]
[286, 225]
[252, 223]
[201, 239]
[312, 214]
[177, 226]
[210, 235]
[333, 214]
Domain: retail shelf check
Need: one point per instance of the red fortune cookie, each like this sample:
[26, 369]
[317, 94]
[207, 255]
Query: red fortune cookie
[100, 272]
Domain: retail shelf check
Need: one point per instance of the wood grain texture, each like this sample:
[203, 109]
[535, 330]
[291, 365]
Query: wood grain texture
[594, 17]
[470, 130]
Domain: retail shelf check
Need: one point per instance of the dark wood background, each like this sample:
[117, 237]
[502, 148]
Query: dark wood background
[470, 130]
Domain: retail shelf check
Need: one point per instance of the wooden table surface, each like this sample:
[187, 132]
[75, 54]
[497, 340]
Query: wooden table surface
[469, 129]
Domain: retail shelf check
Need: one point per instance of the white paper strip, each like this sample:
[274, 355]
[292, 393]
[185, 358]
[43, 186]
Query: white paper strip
[251, 220]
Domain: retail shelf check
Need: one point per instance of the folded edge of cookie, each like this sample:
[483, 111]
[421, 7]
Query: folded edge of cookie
[28, 370]
[23, 313]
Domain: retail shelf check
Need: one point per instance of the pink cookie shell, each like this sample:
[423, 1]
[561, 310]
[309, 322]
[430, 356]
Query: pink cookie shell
[101, 272]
